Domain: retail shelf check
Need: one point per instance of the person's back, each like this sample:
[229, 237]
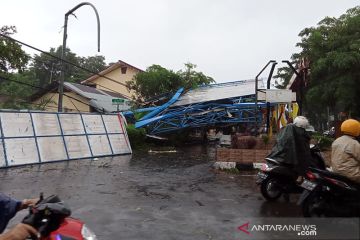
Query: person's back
[292, 145]
[345, 154]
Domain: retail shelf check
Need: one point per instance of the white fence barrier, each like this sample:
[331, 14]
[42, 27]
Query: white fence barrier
[39, 137]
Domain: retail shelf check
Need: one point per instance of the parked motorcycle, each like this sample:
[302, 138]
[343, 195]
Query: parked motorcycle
[277, 178]
[51, 218]
[328, 194]
[330, 132]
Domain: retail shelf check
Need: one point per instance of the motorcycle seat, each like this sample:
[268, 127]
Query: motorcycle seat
[276, 162]
[283, 169]
[335, 176]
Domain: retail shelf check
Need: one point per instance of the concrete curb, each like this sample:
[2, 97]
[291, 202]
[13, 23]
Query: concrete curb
[232, 165]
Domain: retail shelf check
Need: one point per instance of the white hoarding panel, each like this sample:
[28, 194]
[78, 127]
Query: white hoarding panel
[100, 145]
[2, 156]
[20, 144]
[16, 124]
[21, 151]
[77, 147]
[93, 124]
[46, 124]
[51, 149]
[119, 144]
[112, 124]
[276, 95]
[71, 124]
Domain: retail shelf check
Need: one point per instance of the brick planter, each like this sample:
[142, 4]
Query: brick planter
[244, 156]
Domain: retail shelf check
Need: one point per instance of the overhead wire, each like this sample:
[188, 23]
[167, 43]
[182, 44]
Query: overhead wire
[50, 107]
[58, 68]
[38, 87]
[61, 59]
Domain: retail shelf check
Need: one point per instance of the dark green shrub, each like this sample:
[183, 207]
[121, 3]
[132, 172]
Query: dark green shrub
[136, 136]
[323, 142]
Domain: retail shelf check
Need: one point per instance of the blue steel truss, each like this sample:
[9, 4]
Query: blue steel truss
[226, 112]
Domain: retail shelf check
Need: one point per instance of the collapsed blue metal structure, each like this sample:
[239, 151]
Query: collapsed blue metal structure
[207, 106]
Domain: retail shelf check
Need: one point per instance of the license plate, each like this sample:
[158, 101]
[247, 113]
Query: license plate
[308, 185]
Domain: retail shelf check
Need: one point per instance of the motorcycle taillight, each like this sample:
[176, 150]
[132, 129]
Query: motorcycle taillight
[311, 176]
[264, 167]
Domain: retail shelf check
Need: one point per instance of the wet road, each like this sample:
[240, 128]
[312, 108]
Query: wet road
[150, 196]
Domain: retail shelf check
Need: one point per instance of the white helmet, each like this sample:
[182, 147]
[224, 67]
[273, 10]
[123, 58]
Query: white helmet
[303, 122]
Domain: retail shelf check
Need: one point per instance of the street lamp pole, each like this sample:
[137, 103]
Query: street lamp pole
[62, 78]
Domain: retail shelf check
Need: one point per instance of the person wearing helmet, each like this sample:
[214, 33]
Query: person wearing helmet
[293, 145]
[345, 151]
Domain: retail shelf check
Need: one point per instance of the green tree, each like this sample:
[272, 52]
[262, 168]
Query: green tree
[16, 91]
[12, 57]
[193, 79]
[93, 63]
[48, 69]
[333, 50]
[156, 81]
[283, 76]
[13, 62]
[18, 80]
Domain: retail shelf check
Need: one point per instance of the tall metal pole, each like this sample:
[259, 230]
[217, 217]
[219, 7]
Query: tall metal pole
[267, 103]
[256, 92]
[62, 77]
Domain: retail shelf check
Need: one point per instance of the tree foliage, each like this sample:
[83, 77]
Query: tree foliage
[48, 69]
[191, 78]
[13, 61]
[18, 78]
[93, 63]
[12, 57]
[156, 81]
[333, 49]
[283, 76]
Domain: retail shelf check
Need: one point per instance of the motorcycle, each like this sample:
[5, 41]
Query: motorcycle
[327, 194]
[276, 179]
[51, 218]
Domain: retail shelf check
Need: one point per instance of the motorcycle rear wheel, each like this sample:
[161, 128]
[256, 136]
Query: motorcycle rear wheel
[270, 190]
[311, 206]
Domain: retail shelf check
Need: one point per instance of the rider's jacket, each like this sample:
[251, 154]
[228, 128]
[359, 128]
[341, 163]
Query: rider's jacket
[8, 209]
[345, 157]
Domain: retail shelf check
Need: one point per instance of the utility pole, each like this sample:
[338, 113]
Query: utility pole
[62, 78]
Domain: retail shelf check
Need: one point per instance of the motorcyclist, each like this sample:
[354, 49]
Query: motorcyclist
[8, 208]
[293, 145]
[345, 154]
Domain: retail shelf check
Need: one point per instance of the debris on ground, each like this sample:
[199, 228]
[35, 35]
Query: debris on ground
[162, 151]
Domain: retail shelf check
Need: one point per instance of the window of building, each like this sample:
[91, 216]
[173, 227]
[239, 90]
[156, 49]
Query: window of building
[123, 70]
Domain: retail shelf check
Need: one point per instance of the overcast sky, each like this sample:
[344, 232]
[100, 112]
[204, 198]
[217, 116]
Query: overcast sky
[227, 39]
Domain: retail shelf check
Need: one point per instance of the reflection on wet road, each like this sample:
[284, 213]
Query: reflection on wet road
[150, 196]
